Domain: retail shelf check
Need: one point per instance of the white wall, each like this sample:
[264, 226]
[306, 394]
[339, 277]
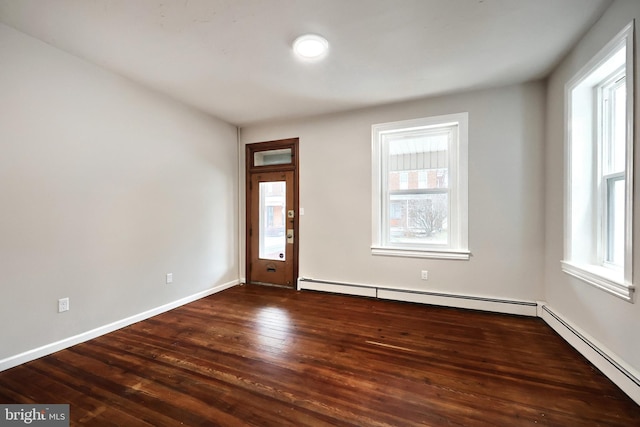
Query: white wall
[607, 319]
[505, 195]
[104, 187]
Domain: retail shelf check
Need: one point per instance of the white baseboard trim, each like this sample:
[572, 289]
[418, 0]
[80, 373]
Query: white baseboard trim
[51, 348]
[498, 305]
[623, 375]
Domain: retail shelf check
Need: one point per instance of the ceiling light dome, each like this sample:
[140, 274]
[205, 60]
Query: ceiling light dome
[310, 46]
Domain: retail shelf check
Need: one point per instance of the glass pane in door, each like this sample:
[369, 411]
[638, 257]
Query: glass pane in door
[273, 212]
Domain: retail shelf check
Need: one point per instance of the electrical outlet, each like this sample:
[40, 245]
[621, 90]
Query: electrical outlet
[63, 305]
[425, 275]
[169, 278]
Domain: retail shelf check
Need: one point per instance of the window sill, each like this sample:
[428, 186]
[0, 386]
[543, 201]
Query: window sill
[603, 278]
[422, 253]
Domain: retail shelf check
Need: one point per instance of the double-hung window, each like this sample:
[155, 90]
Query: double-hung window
[420, 187]
[599, 187]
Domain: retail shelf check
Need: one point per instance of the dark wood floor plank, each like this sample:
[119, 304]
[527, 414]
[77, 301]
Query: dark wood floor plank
[275, 357]
[46, 389]
[219, 388]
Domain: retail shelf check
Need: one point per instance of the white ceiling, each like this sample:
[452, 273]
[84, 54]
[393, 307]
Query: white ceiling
[233, 58]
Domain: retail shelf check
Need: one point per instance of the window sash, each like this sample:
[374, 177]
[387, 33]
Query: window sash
[613, 222]
[608, 117]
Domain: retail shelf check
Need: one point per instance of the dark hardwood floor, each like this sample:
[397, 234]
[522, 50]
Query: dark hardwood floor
[274, 357]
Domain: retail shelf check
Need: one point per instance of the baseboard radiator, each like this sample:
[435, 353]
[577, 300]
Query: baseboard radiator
[525, 308]
[624, 376]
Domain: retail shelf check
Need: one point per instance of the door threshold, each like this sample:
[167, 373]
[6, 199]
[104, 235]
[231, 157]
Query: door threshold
[273, 285]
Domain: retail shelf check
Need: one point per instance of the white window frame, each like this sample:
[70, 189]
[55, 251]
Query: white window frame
[586, 223]
[457, 247]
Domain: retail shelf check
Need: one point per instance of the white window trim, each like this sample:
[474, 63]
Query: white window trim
[458, 247]
[600, 277]
[617, 283]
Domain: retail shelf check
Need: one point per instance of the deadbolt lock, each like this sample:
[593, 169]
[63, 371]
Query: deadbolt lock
[290, 235]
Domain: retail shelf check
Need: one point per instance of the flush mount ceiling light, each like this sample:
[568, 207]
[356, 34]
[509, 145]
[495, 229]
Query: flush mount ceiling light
[310, 46]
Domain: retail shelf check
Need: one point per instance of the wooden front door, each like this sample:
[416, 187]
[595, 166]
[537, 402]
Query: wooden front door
[272, 208]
